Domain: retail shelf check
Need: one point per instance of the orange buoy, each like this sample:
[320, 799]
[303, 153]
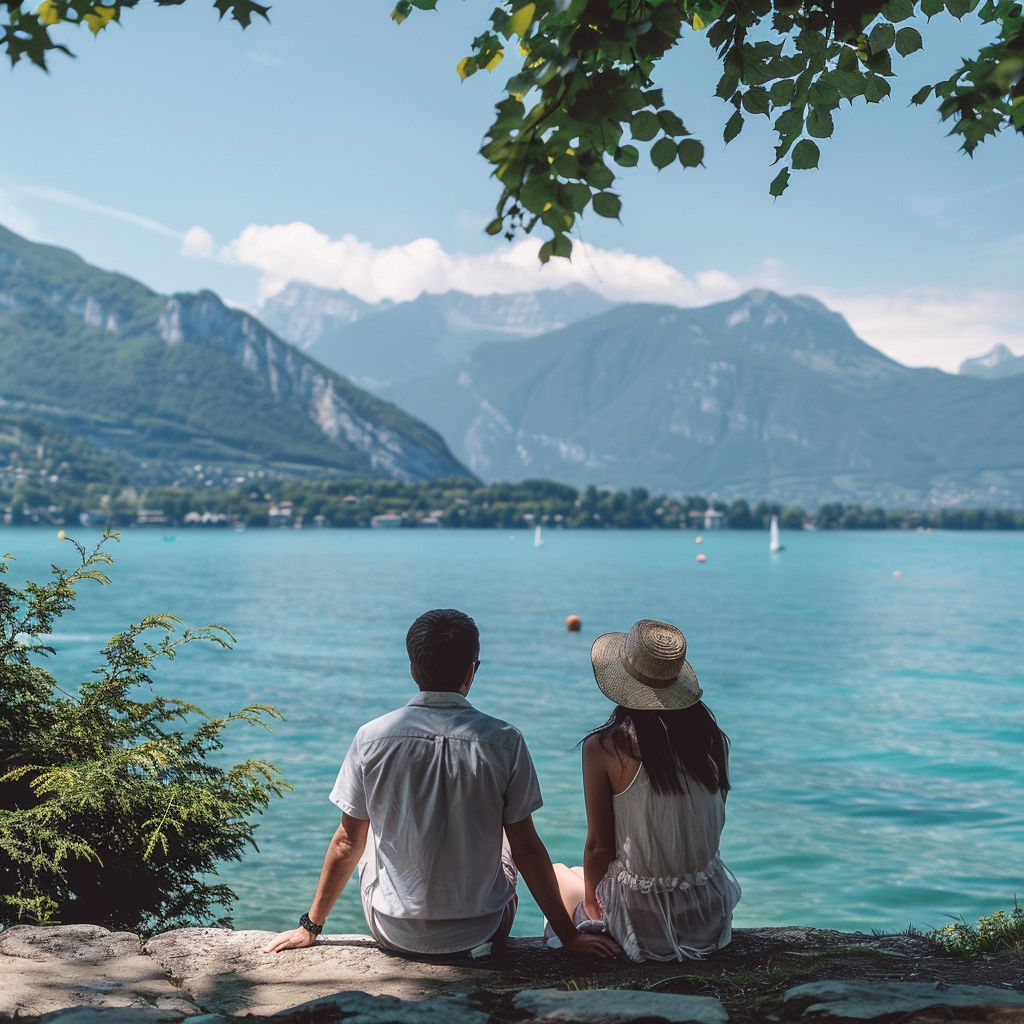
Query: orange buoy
[702, 558]
[573, 624]
[896, 574]
[699, 540]
[61, 535]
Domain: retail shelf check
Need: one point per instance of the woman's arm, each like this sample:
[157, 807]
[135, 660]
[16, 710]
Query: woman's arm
[599, 851]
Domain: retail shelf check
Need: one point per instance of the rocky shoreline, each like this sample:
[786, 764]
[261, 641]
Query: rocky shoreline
[84, 974]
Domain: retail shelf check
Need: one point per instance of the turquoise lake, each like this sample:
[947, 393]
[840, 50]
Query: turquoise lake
[877, 723]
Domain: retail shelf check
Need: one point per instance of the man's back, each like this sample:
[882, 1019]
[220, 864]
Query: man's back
[437, 780]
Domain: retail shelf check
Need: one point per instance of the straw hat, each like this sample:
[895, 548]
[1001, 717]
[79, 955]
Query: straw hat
[646, 668]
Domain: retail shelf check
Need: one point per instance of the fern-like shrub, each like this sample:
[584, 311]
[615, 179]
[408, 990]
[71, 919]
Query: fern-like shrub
[111, 811]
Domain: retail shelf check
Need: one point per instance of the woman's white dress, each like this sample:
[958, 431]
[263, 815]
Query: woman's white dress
[667, 895]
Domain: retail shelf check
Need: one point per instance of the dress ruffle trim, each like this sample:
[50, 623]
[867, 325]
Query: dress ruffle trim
[675, 883]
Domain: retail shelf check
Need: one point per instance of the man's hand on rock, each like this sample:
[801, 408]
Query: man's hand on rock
[297, 938]
[584, 944]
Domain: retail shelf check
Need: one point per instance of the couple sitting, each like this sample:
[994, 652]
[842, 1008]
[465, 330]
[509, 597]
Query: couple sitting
[437, 802]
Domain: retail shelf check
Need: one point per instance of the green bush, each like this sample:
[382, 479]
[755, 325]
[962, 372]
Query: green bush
[111, 811]
[995, 933]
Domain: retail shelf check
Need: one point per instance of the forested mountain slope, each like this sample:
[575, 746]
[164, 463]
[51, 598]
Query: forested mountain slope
[761, 396]
[165, 383]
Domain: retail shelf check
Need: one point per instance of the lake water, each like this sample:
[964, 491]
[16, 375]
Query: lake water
[877, 723]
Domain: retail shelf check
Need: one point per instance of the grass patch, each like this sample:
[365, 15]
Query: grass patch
[996, 933]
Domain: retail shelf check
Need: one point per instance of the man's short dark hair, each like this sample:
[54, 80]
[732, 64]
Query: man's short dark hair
[442, 644]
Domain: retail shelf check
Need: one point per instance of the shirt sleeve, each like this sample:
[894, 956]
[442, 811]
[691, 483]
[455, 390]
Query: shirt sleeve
[349, 793]
[522, 795]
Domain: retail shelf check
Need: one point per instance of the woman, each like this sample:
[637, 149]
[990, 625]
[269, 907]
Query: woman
[655, 779]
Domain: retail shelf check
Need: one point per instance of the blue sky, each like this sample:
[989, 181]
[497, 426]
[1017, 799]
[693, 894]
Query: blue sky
[335, 118]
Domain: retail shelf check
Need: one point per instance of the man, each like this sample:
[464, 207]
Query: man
[437, 805]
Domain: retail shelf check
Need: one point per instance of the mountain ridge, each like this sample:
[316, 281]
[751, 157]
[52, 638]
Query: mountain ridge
[165, 381]
[379, 346]
[762, 395]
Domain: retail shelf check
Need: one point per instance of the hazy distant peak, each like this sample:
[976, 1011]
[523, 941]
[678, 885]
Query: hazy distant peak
[999, 361]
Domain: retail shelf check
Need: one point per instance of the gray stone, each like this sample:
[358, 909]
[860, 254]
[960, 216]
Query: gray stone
[82, 968]
[360, 1008]
[67, 942]
[112, 1015]
[865, 1000]
[617, 1006]
[227, 972]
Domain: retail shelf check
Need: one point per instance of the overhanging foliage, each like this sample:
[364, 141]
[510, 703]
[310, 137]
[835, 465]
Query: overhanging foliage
[589, 75]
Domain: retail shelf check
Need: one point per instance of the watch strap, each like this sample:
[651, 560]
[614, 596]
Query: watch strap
[313, 929]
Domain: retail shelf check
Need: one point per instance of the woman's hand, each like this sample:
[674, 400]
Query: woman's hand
[297, 938]
[593, 908]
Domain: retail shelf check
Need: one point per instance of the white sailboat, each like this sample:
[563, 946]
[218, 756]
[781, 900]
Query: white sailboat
[774, 543]
[538, 540]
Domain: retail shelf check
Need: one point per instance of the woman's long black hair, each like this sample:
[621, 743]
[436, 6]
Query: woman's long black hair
[671, 745]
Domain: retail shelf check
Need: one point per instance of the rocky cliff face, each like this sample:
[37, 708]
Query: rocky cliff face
[185, 384]
[331, 402]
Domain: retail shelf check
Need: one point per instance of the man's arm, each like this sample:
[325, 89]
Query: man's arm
[534, 864]
[342, 857]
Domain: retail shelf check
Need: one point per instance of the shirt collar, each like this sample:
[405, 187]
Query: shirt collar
[432, 699]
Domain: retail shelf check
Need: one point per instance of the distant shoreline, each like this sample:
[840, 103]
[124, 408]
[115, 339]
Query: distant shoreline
[455, 504]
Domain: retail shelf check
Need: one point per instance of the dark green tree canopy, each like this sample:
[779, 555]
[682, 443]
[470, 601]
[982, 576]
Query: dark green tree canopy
[589, 74]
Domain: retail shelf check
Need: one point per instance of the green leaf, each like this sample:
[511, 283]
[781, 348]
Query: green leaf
[728, 82]
[671, 123]
[824, 93]
[929, 8]
[782, 92]
[819, 123]
[574, 196]
[644, 125]
[876, 88]
[733, 127]
[755, 100]
[780, 184]
[848, 60]
[898, 10]
[663, 152]
[908, 40]
[627, 156]
[805, 155]
[495, 226]
[691, 153]
[958, 8]
[241, 10]
[607, 204]
[850, 84]
[883, 35]
[921, 95]
[598, 174]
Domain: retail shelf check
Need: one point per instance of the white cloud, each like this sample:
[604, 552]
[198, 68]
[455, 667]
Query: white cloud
[197, 243]
[298, 252]
[56, 195]
[934, 326]
[917, 327]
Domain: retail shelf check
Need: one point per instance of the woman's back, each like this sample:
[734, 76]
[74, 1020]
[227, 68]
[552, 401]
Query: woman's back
[658, 834]
[667, 895]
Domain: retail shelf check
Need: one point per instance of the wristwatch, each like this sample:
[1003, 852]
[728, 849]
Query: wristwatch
[313, 929]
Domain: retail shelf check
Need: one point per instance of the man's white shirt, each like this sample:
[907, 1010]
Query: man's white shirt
[437, 781]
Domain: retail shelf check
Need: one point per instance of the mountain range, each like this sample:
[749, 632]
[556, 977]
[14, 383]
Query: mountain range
[381, 345]
[182, 388]
[998, 362]
[762, 396]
